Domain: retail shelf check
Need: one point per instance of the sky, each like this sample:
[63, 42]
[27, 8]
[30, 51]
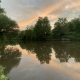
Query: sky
[26, 12]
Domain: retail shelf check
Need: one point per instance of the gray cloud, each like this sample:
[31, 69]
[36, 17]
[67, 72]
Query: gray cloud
[26, 12]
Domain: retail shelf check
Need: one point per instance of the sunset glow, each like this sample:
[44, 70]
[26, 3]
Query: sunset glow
[26, 12]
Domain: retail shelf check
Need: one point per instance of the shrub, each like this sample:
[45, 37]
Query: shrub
[2, 76]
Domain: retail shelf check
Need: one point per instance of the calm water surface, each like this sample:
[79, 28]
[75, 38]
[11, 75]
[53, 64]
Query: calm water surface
[41, 60]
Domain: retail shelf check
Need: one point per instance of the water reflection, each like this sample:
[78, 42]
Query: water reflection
[26, 57]
[42, 50]
[10, 58]
[65, 51]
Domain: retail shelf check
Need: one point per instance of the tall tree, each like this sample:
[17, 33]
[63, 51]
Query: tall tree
[42, 28]
[60, 28]
[76, 24]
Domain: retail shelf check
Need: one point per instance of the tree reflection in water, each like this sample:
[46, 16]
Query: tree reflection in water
[43, 52]
[65, 51]
[10, 58]
[41, 49]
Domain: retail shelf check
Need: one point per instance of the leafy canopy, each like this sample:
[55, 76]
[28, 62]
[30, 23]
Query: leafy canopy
[42, 28]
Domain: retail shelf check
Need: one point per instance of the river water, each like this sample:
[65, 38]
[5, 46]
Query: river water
[41, 60]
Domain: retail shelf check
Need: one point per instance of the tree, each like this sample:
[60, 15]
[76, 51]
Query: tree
[76, 24]
[42, 28]
[8, 27]
[60, 28]
[28, 34]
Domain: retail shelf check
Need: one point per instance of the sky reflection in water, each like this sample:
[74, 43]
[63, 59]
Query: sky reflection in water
[42, 61]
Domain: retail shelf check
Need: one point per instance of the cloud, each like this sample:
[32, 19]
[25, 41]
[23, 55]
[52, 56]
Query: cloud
[44, 13]
[26, 12]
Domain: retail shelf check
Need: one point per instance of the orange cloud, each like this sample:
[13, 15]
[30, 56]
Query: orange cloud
[44, 13]
[50, 9]
[28, 21]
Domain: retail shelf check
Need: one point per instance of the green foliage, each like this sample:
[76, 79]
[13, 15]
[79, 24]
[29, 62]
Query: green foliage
[28, 35]
[8, 27]
[76, 24]
[2, 10]
[42, 28]
[65, 29]
[60, 28]
[21, 34]
[41, 31]
[2, 76]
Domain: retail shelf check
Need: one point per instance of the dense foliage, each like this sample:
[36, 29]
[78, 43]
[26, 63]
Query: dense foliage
[40, 31]
[8, 27]
[2, 76]
[42, 28]
[63, 30]
[60, 28]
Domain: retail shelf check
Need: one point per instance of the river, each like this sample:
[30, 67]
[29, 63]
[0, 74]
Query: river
[41, 60]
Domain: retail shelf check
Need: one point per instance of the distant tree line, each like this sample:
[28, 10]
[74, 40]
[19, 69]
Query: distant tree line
[63, 29]
[67, 29]
[40, 31]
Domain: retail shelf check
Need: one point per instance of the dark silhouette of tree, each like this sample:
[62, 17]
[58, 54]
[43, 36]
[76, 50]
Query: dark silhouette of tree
[28, 34]
[65, 29]
[7, 26]
[42, 28]
[40, 31]
[60, 28]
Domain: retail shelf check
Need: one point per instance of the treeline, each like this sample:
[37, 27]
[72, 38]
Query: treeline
[40, 31]
[67, 29]
[63, 30]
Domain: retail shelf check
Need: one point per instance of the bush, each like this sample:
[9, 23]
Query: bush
[2, 76]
